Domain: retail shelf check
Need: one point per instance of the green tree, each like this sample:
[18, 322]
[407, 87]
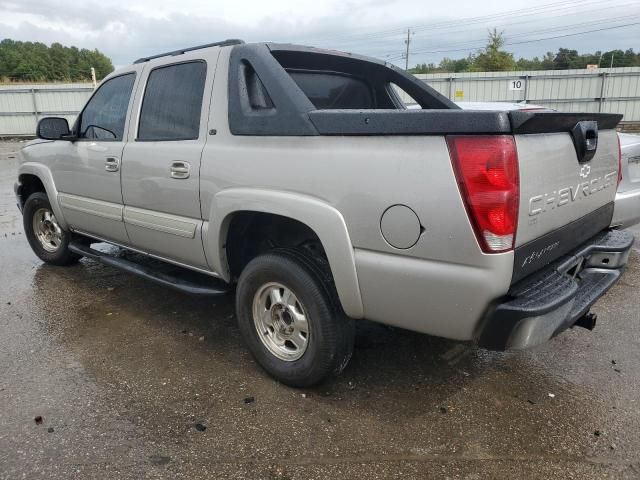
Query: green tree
[35, 62]
[460, 65]
[492, 58]
[525, 64]
[565, 59]
[59, 62]
[424, 68]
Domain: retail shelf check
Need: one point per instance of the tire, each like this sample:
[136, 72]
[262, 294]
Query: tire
[330, 333]
[56, 251]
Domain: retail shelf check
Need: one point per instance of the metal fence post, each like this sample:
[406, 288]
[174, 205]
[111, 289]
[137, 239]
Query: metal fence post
[602, 90]
[35, 104]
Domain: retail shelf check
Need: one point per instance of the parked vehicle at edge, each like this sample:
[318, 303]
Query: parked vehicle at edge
[491, 106]
[299, 175]
[627, 208]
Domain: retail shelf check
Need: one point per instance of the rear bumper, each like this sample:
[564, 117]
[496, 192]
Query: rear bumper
[627, 209]
[551, 300]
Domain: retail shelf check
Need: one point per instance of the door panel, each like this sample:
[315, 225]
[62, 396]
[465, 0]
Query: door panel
[169, 236]
[147, 180]
[161, 162]
[87, 171]
[81, 170]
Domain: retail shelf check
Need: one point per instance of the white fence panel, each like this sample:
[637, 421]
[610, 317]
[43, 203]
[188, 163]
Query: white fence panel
[22, 105]
[611, 90]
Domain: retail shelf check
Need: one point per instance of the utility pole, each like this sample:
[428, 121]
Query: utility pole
[93, 77]
[406, 53]
[611, 60]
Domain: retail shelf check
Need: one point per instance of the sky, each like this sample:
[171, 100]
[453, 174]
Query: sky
[125, 30]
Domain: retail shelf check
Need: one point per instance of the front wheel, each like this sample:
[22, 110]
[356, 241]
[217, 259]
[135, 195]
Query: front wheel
[290, 318]
[48, 240]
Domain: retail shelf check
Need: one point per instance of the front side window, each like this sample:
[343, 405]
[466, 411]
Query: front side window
[104, 116]
[173, 102]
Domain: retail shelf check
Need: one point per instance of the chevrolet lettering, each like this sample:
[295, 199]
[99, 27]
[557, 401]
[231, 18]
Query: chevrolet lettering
[541, 203]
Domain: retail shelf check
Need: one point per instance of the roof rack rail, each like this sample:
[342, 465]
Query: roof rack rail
[223, 43]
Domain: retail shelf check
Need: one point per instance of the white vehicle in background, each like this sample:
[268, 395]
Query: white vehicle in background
[500, 106]
[490, 106]
[627, 206]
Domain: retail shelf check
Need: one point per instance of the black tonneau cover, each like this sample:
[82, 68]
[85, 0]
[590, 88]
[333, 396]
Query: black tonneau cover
[443, 122]
[548, 122]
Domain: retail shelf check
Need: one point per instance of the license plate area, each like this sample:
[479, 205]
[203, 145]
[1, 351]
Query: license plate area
[598, 260]
[572, 267]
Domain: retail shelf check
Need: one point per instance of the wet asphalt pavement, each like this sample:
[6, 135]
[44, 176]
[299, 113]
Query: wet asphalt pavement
[132, 380]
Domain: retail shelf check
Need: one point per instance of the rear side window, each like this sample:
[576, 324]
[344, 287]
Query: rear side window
[172, 102]
[258, 96]
[104, 116]
[331, 90]
[403, 98]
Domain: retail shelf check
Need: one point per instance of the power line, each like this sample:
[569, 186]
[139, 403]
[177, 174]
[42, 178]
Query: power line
[366, 40]
[511, 24]
[551, 7]
[510, 15]
[474, 43]
[534, 40]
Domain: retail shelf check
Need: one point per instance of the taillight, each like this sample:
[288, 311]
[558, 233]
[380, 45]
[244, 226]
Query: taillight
[619, 160]
[486, 167]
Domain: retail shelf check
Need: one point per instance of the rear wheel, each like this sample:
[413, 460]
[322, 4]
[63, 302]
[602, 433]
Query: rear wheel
[48, 240]
[291, 320]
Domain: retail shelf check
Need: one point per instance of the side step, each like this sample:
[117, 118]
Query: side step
[210, 287]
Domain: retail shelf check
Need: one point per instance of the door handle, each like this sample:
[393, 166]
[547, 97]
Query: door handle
[180, 170]
[112, 164]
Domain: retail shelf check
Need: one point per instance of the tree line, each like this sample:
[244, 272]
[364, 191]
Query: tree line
[493, 58]
[36, 62]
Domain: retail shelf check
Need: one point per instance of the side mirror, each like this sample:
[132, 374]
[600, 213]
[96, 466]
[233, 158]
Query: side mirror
[52, 128]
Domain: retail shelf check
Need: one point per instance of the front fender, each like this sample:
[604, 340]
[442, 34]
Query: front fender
[44, 174]
[322, 218]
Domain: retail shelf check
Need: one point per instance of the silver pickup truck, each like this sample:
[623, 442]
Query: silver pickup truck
[298, 177]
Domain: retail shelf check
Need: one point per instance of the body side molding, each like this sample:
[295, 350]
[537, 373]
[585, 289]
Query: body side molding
[99, 208]
[162, 222]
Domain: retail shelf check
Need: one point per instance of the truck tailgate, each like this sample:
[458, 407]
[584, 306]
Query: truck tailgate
[566, 193]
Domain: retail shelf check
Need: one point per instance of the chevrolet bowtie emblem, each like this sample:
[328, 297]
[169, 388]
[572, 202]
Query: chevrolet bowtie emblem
[585, 171]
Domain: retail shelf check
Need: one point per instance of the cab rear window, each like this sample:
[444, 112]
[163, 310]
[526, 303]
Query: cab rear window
[331, 90]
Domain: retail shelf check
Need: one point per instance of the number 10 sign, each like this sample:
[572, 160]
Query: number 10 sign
[516, 85]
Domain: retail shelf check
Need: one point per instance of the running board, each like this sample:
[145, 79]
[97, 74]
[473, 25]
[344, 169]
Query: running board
[186, 286]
